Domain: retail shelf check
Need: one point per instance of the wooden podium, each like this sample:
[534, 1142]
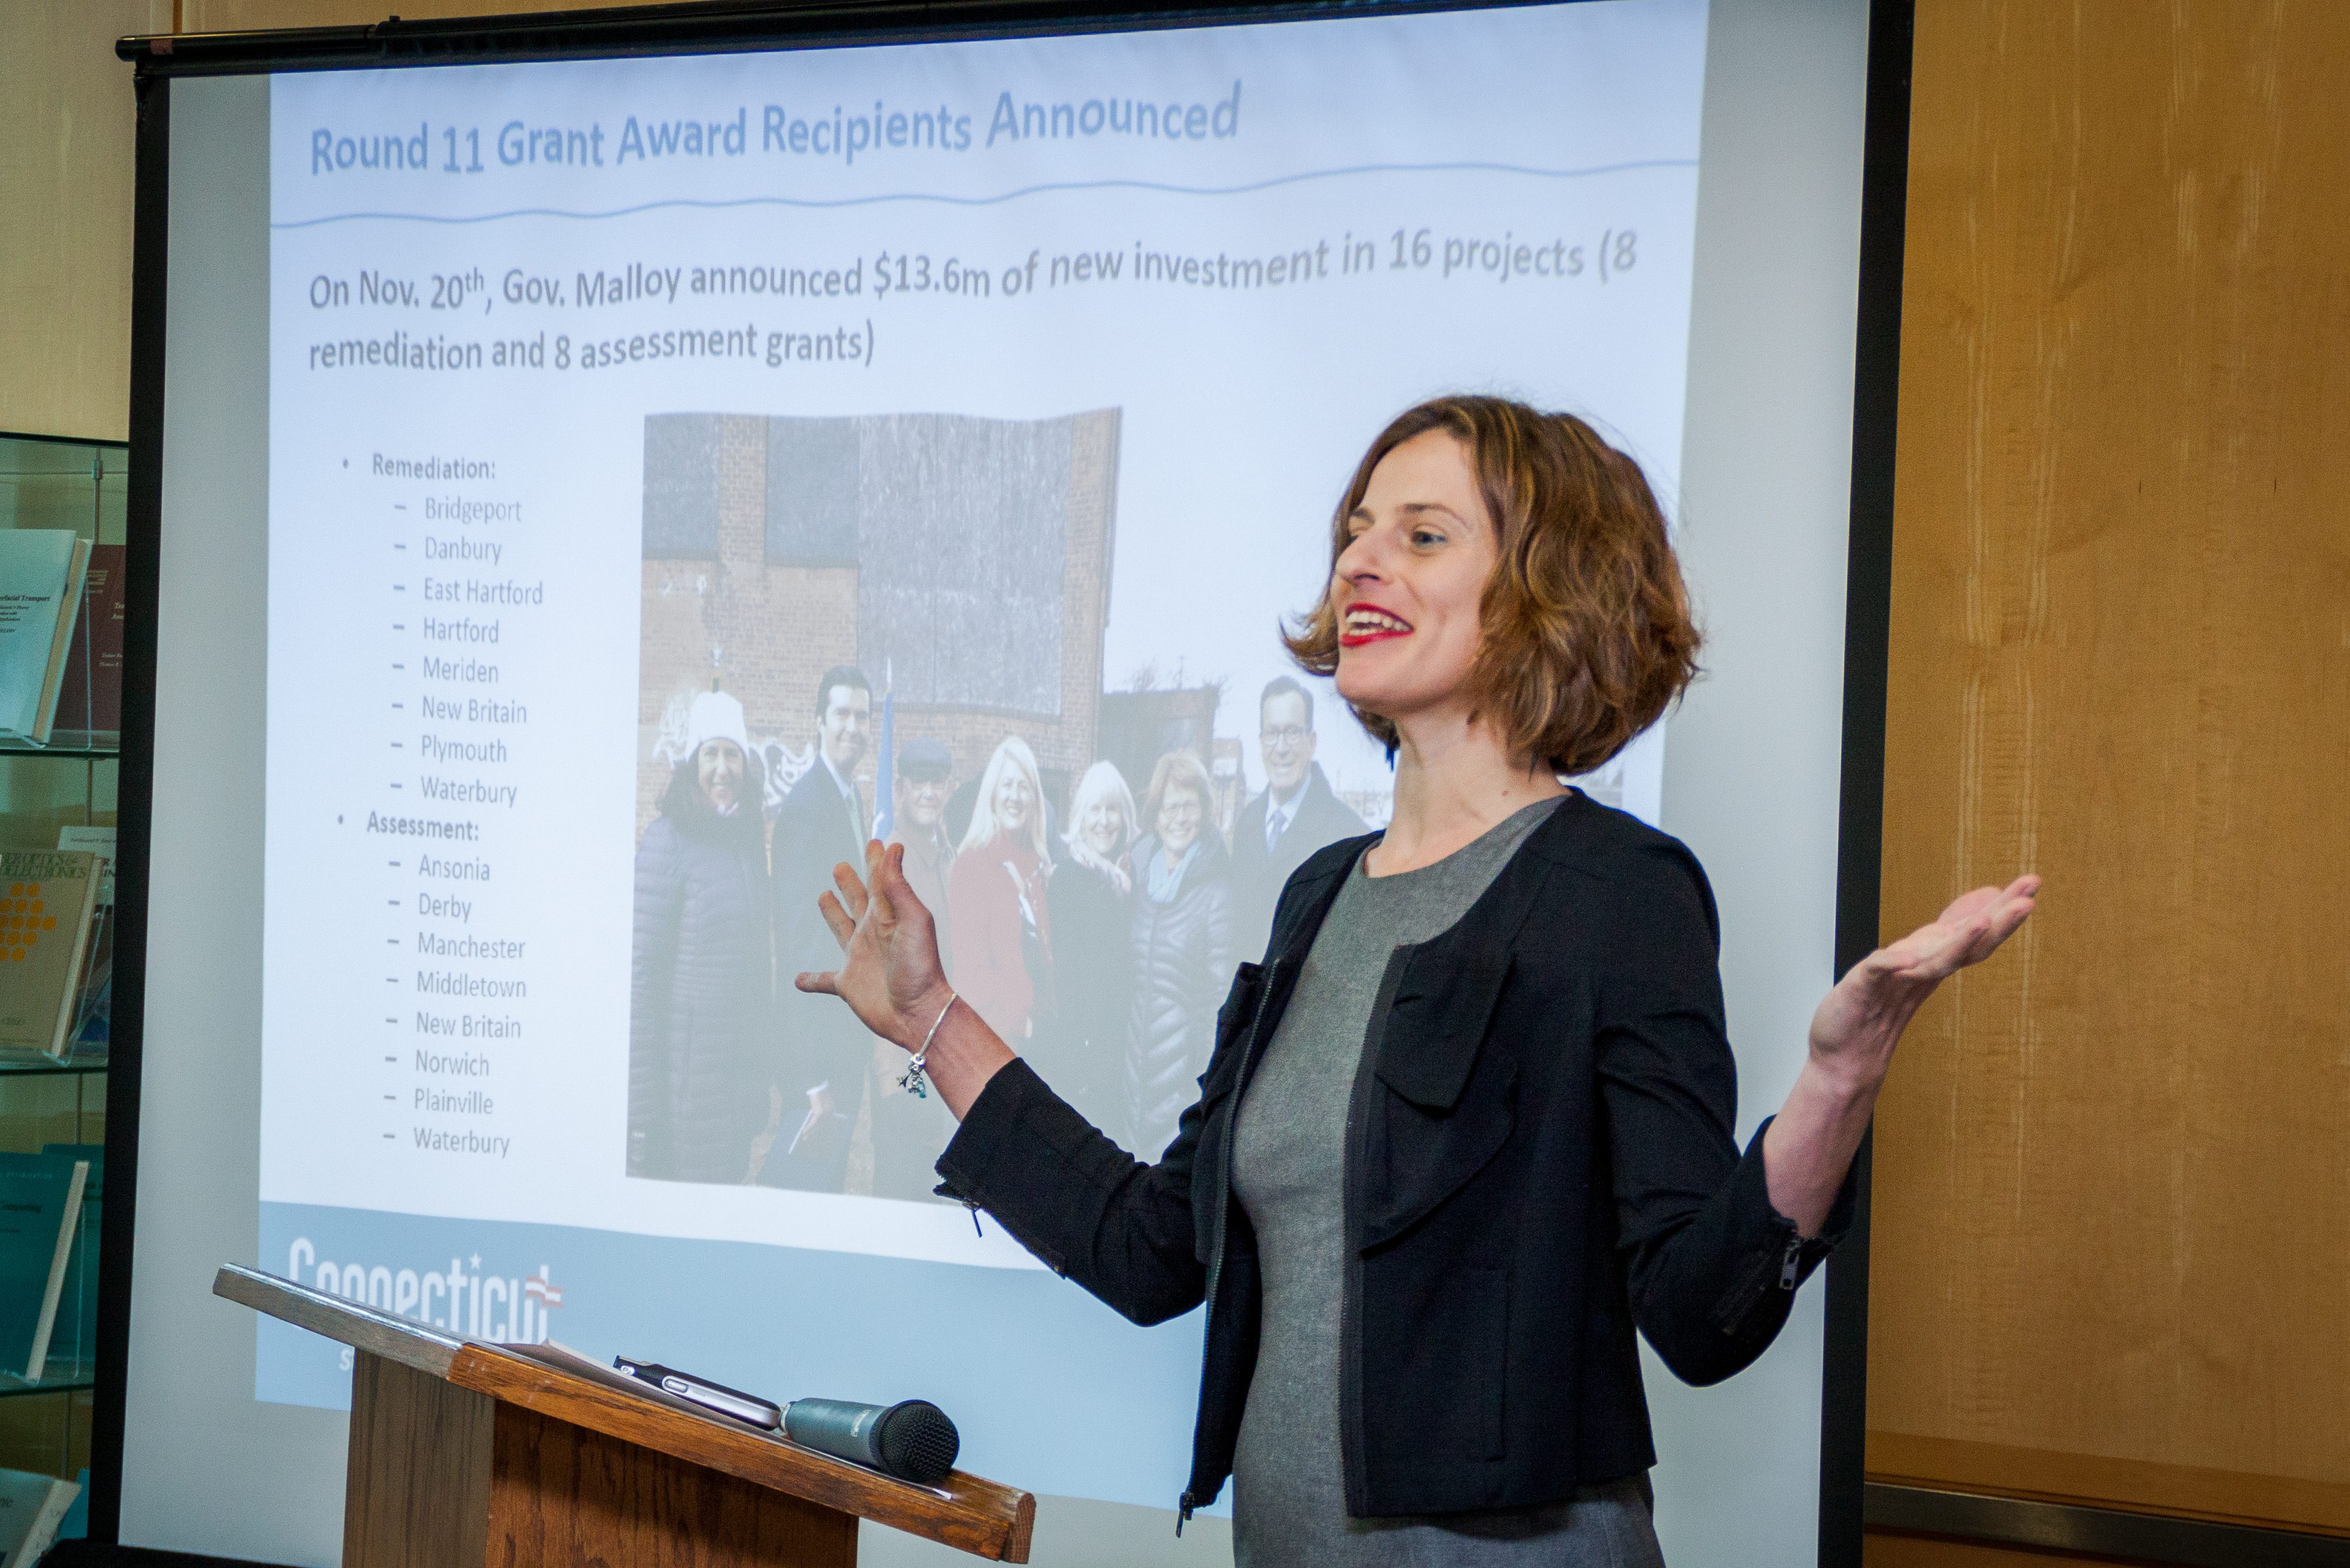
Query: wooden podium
[467, 1455]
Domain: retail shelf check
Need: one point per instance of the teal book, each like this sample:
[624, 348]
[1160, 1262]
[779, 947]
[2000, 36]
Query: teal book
[41, 572]
[32, 1508]
[75, 1526]
[40, 1209]
[87, 1035]
[75, 1337]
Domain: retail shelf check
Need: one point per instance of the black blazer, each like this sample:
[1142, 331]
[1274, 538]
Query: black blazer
[1540, 1158]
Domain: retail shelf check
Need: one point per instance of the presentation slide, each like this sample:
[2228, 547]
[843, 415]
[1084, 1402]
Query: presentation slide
[681, 469]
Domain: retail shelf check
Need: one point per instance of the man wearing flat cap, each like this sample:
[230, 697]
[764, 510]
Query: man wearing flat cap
[924, 767]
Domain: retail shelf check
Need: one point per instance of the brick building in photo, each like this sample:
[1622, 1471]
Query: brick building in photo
[962, 562]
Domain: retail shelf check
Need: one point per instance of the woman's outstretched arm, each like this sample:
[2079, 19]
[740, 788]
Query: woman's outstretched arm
[1810, 1145]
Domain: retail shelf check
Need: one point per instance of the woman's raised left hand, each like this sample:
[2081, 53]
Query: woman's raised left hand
[1810, 1144]
[1861, 1020]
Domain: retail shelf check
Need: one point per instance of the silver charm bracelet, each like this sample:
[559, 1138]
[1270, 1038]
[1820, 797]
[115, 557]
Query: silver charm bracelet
[915, 1080]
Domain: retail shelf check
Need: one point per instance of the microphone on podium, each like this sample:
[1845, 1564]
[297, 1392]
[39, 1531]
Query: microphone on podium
[912, 1440]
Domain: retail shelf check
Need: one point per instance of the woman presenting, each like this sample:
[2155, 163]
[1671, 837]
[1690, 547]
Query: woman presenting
[1468, 1126]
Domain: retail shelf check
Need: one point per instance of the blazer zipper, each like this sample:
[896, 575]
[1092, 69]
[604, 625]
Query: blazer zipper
[1187, 1503]
[1738, 1309]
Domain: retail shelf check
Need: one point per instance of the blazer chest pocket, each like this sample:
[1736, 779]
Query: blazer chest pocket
[1445, 1101]
[1240, 1006]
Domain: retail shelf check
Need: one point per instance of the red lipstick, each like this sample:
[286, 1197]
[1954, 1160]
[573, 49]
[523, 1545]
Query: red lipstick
[1353, 636]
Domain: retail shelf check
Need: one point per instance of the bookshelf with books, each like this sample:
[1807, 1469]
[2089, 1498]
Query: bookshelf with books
[62, 534]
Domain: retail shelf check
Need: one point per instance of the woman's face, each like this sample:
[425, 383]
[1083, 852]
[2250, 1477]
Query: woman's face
[1103, 825]
[718, 766]
[1179, 817]
[1015, 797]
[1409, 586]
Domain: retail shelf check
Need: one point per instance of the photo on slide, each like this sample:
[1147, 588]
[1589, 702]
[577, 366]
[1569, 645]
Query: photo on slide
[893, 626]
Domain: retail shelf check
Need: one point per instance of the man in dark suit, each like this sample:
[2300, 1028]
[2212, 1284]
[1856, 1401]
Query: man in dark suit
[822, 822]
[1296, 813]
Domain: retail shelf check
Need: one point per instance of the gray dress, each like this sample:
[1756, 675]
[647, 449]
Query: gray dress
[1289, 1497]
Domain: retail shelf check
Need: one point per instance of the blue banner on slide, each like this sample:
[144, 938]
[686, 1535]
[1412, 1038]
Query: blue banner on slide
[1113, 1422]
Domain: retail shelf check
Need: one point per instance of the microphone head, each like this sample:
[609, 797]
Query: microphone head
[917, 1442]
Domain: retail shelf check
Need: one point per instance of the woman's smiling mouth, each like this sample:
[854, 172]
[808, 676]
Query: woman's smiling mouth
[1368, 623]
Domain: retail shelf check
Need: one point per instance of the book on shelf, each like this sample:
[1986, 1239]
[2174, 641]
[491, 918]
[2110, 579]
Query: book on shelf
[40, 1209]
[47, 898]
[74, 1336]
[96, 840]
[89, 690]
[41, 572]
[31, 1508]
[89, 1036]
[77, 1524]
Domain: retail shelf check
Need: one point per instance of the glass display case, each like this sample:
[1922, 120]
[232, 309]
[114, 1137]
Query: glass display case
[58, 791]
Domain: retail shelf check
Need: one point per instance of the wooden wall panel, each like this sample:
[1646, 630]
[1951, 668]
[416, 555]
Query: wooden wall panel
[2113, 1168]
[67, 118]
[1893, 1549]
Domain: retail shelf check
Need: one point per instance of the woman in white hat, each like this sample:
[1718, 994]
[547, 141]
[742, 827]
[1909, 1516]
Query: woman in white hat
[701, 990]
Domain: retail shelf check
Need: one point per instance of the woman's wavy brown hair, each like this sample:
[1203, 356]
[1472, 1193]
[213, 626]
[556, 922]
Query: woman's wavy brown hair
[1587, 632]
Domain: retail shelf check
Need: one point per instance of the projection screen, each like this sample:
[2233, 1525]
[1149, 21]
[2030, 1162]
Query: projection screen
[946, 425]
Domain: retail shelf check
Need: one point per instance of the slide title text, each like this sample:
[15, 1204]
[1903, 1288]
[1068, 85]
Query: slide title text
[775, 131]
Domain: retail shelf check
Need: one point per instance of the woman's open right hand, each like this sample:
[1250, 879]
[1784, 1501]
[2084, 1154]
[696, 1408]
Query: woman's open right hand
[890, 976]
[890, 972]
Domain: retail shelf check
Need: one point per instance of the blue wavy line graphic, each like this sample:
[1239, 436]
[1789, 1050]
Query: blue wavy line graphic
[1153, 186]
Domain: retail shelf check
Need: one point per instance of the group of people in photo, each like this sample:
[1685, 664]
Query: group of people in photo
[1097, 933]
